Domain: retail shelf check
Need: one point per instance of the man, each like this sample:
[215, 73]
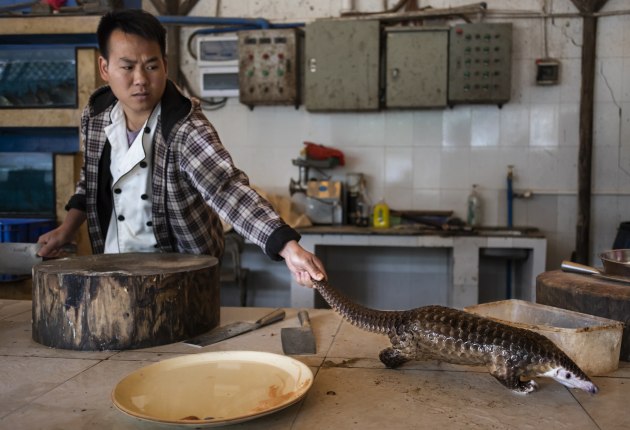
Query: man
[156, 177]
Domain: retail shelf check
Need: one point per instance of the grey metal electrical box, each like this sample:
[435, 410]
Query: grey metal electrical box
[341, 70]
[269, 66]
[480, 63]
[416, 71]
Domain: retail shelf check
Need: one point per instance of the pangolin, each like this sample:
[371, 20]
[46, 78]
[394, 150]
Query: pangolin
[512, 355]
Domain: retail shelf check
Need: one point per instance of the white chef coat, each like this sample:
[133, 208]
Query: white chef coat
[130, 227]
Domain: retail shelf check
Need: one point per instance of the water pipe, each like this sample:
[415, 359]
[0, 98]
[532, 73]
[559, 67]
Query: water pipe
[243, 23]
[510, 196]
[201, 20]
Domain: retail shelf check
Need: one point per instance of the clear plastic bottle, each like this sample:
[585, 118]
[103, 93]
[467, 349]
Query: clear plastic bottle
[473, 212]
[381, 215]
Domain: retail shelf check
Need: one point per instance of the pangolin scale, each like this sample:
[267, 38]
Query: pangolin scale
[512, 355]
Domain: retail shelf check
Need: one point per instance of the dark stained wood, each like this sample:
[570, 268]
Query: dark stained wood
[172, 7]
[589, 295]
[186, 6]
[585, 154]
[159, 5]
[589, 6]
[124, 301]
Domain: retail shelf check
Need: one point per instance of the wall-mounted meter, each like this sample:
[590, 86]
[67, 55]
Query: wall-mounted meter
[547, 71]
[217, 58]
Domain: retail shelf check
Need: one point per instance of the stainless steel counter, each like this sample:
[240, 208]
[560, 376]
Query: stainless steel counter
[43, 388]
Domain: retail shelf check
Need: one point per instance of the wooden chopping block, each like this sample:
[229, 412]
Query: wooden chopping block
[589, 295]
[124, 301]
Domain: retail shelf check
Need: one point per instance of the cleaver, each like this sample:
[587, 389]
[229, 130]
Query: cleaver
[19, 258]
[570, 266]
[299, 340]
[227, 331]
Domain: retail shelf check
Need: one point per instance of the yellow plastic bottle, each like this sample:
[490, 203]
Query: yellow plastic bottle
[381, 215]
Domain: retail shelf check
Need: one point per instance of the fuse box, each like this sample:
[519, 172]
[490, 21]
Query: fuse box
[416, 67]
[342, 60]
[270, 66]
[217, 58]
[480, 63]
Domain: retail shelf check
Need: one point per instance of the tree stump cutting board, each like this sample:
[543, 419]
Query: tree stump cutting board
[589, 295]
[124, 301]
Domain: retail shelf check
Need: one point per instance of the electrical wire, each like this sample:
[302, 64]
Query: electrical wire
[393, 9]
[207, 104]
[219, 25]
[233, 29]
[200, 20]
[393, 14]
[425, 13]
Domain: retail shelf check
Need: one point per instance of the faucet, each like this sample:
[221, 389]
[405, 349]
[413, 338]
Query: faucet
[511, 195]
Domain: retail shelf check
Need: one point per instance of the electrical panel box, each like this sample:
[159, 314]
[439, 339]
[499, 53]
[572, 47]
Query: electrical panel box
[217, 59]
[342, 65]
[416, 71]
[480, 63]
[218, 81]
[547, 71]
[269, 66]
[217, 50]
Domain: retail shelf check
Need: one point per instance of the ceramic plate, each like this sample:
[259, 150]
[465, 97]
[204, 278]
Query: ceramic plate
[213, 388]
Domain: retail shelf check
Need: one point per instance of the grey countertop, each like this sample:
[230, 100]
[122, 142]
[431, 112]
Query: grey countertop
[44, 388]
[422, 229]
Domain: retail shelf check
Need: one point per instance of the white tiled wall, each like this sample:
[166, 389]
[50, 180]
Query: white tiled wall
[428, 159]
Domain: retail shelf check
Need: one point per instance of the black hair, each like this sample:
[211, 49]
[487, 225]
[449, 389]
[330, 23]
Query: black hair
[130, 21]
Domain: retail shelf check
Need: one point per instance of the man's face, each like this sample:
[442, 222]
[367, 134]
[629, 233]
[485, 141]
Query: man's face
[136, 73]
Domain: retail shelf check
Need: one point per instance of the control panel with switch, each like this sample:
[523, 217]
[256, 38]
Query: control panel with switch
[480, 63]
[269, 66]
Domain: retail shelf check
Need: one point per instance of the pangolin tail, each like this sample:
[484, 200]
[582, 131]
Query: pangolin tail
[373, 320]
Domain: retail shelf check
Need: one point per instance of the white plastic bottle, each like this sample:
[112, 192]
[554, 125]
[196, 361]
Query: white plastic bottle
[473, 213]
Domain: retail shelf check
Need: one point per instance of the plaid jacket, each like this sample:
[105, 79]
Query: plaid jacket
[195, 183]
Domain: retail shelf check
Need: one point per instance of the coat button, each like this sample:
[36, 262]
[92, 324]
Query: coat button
[117, 190]
[121, 218]
[144, 197]
[147, 130]
[143, 164]
[149, 223]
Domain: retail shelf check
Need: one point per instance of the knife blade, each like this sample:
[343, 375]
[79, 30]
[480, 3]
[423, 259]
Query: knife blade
[299, 340]
[572, 267]
[230, 330]
[18, 258]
